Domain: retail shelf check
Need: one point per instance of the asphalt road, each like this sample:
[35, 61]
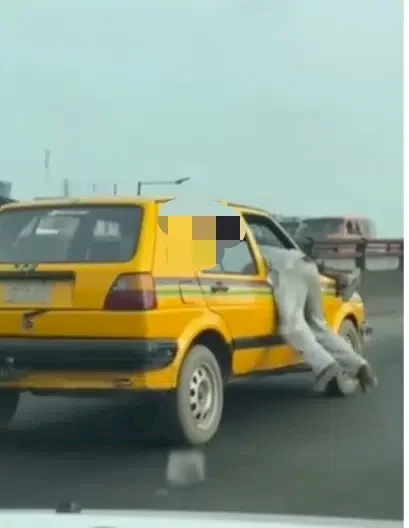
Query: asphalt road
[281, 450]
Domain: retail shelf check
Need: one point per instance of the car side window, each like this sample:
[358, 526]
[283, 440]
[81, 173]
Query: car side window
[264, 233]
[264, 236]
[363, 228]
[372, 229]
[366, 228]
[238, 259]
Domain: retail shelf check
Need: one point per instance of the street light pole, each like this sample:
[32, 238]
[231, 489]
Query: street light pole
[172, 182]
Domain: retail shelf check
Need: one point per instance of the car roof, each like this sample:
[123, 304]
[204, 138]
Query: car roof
[81, 200]
[108, 200]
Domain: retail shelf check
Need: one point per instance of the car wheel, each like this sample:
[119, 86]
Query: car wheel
[351, 335]
[9, 401]
[194, 409]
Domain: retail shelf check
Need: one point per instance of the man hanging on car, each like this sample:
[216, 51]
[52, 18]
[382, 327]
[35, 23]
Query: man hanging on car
[296, 282]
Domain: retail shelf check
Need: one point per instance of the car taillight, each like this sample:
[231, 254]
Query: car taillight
[132, 292]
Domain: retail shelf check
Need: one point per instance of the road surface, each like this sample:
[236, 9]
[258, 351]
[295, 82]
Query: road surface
[281, 450]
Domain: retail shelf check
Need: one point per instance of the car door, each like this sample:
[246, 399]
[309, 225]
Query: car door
[237, 290]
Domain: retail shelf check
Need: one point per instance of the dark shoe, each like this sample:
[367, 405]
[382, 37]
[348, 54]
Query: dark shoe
[367, 378]
[342, 385]
[326, 376]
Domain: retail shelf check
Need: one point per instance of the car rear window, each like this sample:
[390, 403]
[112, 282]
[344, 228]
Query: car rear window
[70, 234]
[291, 226]
[322, 227]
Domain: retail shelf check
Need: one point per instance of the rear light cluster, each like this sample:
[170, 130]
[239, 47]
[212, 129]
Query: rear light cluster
[132, 292]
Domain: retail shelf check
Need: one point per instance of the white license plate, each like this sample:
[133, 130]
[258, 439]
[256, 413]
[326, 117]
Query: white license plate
[27, 292]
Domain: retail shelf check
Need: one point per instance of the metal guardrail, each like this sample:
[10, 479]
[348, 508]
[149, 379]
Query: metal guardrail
[360, 251]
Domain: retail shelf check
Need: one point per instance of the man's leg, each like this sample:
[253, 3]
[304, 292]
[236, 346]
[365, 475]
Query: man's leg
[291, 291]
[352, 363]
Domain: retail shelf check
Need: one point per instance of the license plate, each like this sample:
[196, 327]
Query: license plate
[27, 292]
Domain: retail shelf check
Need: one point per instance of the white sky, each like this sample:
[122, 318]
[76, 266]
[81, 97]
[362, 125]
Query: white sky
[292, 105]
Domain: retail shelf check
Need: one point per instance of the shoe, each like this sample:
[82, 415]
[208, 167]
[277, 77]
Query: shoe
[347, 385]
[366, 378]
[327, 375]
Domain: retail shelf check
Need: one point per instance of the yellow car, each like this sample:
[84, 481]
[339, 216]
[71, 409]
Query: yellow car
[90, 305]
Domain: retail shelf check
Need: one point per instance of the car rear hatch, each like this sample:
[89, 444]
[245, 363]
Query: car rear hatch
[66, 264]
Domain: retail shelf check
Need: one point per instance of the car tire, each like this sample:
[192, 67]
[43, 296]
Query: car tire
[349, 332]
[9, 401]
[194, 410]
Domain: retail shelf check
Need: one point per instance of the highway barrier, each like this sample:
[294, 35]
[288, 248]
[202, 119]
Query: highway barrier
[382, 292]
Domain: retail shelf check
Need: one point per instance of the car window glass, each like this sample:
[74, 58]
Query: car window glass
[366, 228]
[264, 235]
[238, 259]
[67, 234]
[320, 228]
[372, 229]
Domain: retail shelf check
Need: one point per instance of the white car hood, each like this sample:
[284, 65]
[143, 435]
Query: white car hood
[164, 519]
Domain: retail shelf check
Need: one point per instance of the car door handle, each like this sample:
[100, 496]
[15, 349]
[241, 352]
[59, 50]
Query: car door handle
[219, 287]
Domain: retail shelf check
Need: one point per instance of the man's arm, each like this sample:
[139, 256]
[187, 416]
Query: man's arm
[278, 259]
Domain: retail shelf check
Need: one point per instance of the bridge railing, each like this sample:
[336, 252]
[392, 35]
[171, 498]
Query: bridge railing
[367, 254]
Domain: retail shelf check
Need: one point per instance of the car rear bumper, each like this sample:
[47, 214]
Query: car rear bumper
[84, 355]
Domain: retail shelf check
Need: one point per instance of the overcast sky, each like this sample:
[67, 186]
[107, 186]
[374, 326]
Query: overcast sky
[292, 105]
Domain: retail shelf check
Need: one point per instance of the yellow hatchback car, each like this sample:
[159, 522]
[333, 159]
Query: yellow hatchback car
[90, 305]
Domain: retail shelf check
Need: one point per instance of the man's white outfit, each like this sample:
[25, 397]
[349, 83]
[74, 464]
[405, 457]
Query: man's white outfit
[296, 284]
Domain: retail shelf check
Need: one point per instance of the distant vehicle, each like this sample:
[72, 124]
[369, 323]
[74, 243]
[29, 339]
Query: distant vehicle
[323, 228]
[337, 227]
